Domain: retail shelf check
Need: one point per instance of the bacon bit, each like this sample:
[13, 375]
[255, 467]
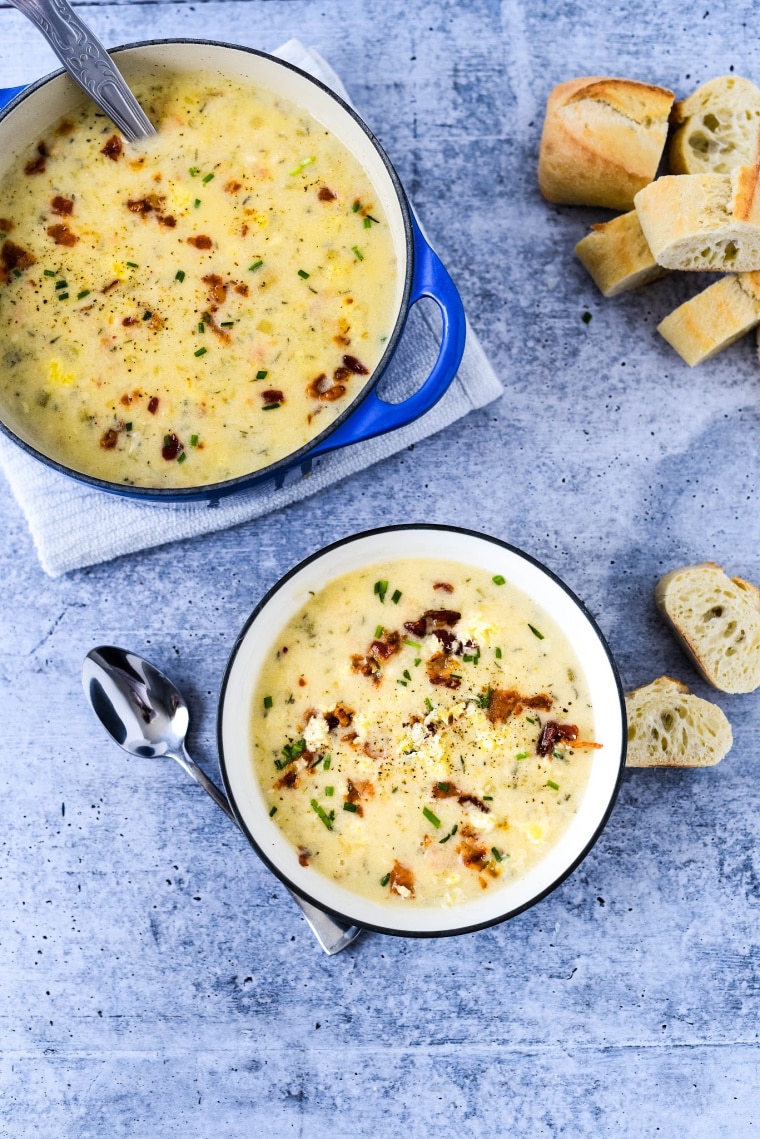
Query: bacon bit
[439, 670]
[289, 779]
[553, 733]
[114, 148]
[355, 366]
[13, 257]
[37, 165]
[232, 186]
[146, 205]
[402, 880]
[444, 585]
[153, 404]
[128, 397]
[172, 449]
[167, 220]
[325, 194]
[303, 856]
[217, 290]
[474, 856]
[111, 285]
[244, 230]
[340, 716]
[506, 702]
[128, 321]
[366, 665]
[6, 225]
[324, 389]
[62, 235]
[417, 628]
[462, 797]
[65, 128]
[432, 620]
[272, 395]
[201, 241]
[585, 743]
[341, 374]
[242, 289]
[109, 439]
[353, 797]
[301, 682]
[64, 207]
[384, 650]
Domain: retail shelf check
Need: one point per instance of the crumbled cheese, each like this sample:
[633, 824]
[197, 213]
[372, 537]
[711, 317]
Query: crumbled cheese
[317, 734]
[477, 628]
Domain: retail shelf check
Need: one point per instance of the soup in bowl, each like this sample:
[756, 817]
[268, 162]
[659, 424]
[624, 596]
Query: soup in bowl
[421, 730]
[209, 305]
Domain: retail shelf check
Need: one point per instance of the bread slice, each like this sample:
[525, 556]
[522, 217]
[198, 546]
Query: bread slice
[669, 727]
[602, 140]
[715, 318]
[718, 128]
[718, 620]
[704, 221]
[617, 256]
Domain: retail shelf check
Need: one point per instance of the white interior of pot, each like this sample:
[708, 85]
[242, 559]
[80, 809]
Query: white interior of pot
[28, 122]
[264, 632]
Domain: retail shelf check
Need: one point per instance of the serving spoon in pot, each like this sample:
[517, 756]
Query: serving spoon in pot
[88, 63]
[147, 715]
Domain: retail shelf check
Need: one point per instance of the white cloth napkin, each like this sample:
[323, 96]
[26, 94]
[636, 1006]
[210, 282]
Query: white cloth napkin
[74, 526]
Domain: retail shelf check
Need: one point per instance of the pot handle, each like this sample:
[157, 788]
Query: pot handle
[8, 93]
[374, 416]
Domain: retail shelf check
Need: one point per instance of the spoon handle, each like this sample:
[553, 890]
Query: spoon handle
[332, 935]
[88, 63]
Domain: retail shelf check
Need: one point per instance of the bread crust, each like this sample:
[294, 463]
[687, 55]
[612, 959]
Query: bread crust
[602, 140]
[717, 620]
[617, 256]
[670, 727]
[714, 319]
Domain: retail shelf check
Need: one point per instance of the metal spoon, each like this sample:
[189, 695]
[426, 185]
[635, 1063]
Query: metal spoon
[146, 715]
[88, 63]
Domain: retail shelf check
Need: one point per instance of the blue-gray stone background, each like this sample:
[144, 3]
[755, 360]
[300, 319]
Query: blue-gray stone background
[155, 980]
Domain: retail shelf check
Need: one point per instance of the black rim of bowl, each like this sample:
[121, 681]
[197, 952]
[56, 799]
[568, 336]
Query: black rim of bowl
[298, 889]
[240, 482]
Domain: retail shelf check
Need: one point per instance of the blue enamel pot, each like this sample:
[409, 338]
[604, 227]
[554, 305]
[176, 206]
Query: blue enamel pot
[28, 111]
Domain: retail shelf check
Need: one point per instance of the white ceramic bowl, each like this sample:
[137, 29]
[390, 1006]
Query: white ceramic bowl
[263, 630]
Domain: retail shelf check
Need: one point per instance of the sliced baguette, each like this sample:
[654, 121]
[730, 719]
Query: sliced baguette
[718, 128]
[617, 256]
[715, 318]
[669, 727]
[703, 222]
[602, 140]
[718, 621]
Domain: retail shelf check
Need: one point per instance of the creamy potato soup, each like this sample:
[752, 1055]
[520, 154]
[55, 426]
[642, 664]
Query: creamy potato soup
[195, 306]
[422, 731]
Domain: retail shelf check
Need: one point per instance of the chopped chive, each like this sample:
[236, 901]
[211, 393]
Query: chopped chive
[552, 784]
[133, 265]
[63, 296]
[207, 179]
[488, 798]
[497, 854]
[379, 631]
[428, 704]
[61, 285]
[431, 818]
[402, 683]
[352, 807]
[381, 588]
[196, 203]
[498, 579]
[417, 661]
[48, 272]
[202, 327]
[407, 674]
[558, 754]
[271, 406]
[256, 265]
[193, 440]
[385, 880]
[484, 700]
[267, 699]
[206, 317]
[356, 206]
[194, 171]
[445, 787]
[273, 812]
[328, 762]
[128, 426]
[396, 596]
[3, 236]
[262, 375]
[84, 293]
[201, 352]
[521, 755]
[322, 814]
[355, 249]
[368, 223]
[167, 440]
[302, 166]
[451, 833]
[412, 644]
[530, 719]
[181, 457]
[329, 792]
[147, 314]
[535, 631]
[179, 275]
[292, 751]
[227, 324]
[498, 654]
[304, 274]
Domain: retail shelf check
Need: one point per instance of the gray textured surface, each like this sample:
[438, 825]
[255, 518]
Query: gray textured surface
[155, 981]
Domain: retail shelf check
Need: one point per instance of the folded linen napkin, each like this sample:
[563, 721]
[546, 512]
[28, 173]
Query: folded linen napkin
[74, 526]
